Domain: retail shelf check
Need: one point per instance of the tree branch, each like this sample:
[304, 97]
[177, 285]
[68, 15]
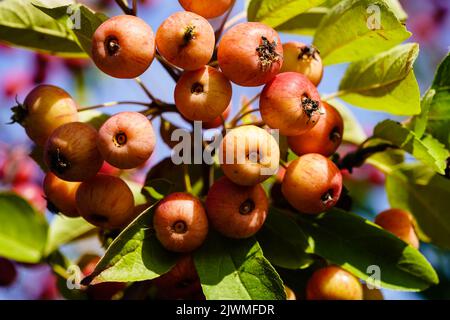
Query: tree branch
[171, 71]
[124, 7]
[114, 103]
[219, 31]
[357, 158]
[134, 8]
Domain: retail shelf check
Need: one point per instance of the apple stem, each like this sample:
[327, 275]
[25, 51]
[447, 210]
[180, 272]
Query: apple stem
[173, 72]
[187, 179]
[256, 123]
[245, 114]
[333, 95]
[124, 7]
[146, 90]
[60, 271]
[238, 117]
[113, 103]
[241, 15]
[219, 31]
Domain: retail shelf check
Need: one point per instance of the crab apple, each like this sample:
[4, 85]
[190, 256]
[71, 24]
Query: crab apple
[105, 201]
[126, 140]
[290, 103]
[31, 192]
[60, 195]
[250, 54]
[45, 108]
[400, 223]
[71, 152]
[304, 59]
[205, 8]
[218, 121]
[333, 283]
[324, 138]
[180, 222]
[123, 46]
[181, 282]
[249, 155]
[186, 40]
[8, 272]
[312, 183]
[242, 214]
[203, 94]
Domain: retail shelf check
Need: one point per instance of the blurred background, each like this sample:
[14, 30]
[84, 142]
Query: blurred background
[21, 70]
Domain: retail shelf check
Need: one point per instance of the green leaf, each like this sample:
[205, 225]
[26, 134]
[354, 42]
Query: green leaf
[305, 23]
[427, 150]
[397, 8]
[434, 118]
[418, 123]
[440, 130]
[283, 241]
[237, 270]
[356, 244]
[135, 255]
[82, 21]
[441, 80]
[345, 34]
[63, 230]
[385, 82]
[136, 189]
[23, 25]
[439, 113]
[353, 130]
[157, 189]
[23, 231]
[276, 12]
[418, 189]
[167, 170]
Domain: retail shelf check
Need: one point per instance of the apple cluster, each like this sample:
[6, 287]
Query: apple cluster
[74, 152]
[249, 54]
